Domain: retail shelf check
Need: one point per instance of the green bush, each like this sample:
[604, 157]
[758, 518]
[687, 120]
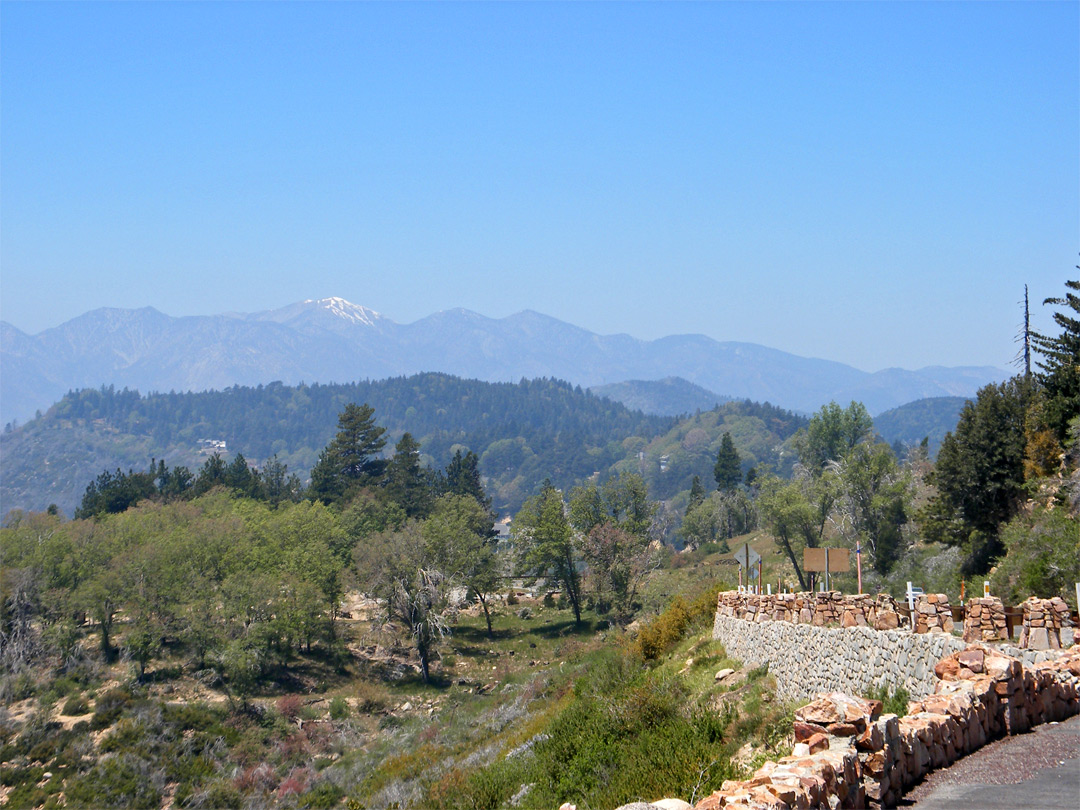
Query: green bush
[323, 796]
[26, 796]
[663, 632]
[1042, 557]
[122, 781]
[75, 705]
[625, 733]
[109, 707]
[339, 708]
[893, 701]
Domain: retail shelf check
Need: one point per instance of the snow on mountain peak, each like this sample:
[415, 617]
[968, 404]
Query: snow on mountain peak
[346, 310]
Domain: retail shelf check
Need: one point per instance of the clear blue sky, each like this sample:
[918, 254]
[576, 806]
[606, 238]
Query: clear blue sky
[866, 182]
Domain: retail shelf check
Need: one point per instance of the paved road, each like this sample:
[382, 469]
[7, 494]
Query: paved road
[1040, 770]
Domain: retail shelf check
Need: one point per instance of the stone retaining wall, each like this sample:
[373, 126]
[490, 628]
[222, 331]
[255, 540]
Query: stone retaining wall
[933, 614]
[1044, 619]
[806, 659]
[849, 755]
[819, 609]
[984, 620]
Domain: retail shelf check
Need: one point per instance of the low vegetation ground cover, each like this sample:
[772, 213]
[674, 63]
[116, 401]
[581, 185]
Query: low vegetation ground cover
[542, 709]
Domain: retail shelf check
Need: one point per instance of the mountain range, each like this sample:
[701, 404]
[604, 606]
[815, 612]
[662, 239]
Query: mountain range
[332, 340]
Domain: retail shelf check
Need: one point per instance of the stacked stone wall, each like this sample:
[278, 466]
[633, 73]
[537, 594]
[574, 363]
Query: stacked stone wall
[984, 620]
[933, 614]
[818, 609]
[847, 754]
[1044, 620]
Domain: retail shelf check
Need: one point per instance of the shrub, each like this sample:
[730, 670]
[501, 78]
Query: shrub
[75, 705]
[222, 795]
[120, 781]
[290, 706]
[339, 708]
[663, 632]
[323, 796]
[893, 701]
[370, 697]
[109, 707]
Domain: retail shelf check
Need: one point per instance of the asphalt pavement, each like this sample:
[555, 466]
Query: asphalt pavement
[1039, 770]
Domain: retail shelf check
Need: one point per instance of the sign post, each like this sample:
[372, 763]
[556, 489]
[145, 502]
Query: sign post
[826, 560]
[748, 558]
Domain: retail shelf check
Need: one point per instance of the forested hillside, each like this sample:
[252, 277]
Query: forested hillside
[670, 461]
[523, 432]
[924, 418]
[671, 396]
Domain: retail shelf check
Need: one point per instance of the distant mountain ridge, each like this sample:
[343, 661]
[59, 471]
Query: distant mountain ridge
[332, 340]
[671, 396]
[925, 418]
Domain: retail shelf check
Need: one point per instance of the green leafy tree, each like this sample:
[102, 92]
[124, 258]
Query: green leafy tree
[720, 517]
[400, 568]
[728, 469]
[833, 432]
[548, 543]
[796, 514]
[618, 562]
[623, 500]
[872, 499]
[460, 537]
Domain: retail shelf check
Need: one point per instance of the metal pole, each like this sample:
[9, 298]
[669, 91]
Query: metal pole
[759, 575]
[828, 585]
[858, 562]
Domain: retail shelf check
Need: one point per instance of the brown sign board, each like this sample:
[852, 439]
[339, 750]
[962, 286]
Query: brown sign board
[814, 559]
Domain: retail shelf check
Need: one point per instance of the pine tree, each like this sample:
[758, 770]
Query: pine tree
[351, 460]
[463, 477]
[406, 482]
[697, 494]
[728, 469]
[1061, 361]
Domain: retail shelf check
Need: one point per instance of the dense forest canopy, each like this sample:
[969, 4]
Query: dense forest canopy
[522, 432]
